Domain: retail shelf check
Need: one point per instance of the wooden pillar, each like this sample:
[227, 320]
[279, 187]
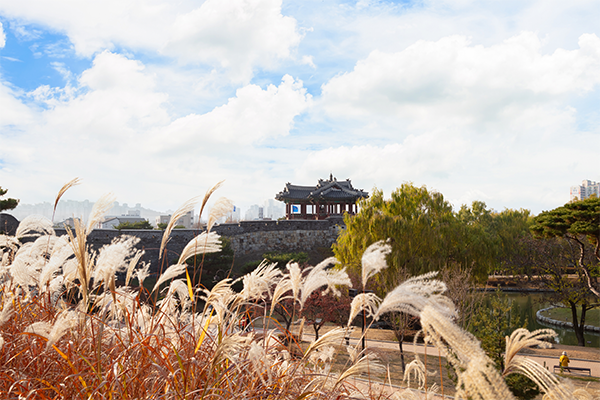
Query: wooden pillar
[303, 210]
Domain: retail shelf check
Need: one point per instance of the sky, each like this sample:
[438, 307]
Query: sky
[155, 101]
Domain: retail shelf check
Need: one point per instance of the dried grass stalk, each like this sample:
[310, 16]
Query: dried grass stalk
[180, 212]
[201, 244]
[100, 209]
[207, 195]
[222, 207]
[61, 192]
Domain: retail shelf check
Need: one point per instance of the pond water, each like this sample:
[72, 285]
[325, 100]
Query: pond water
[529, 303]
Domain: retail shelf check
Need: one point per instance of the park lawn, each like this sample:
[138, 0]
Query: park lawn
[592, 317]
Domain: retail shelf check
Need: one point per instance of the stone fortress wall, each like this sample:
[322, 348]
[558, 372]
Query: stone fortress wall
[249, 239]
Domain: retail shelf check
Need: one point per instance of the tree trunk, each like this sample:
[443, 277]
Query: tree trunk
[400, 337]
[577, 327]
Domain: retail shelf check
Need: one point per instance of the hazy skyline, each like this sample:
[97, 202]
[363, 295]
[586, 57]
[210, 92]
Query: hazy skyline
[157, 101]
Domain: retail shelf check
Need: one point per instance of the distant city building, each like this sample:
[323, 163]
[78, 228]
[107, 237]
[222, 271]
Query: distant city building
[234, 216]
[585, 190]
[68, 222]
[255, 212]
[273, 209]
[328, 198]
[77, 209]
[187, 220]
[111, 222]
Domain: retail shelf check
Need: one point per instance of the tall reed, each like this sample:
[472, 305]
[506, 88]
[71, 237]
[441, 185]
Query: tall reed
[67, 331]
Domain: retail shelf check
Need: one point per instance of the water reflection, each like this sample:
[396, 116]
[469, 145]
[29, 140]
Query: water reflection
[527, 304]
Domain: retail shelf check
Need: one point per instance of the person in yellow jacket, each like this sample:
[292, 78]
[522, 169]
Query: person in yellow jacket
[564, 361]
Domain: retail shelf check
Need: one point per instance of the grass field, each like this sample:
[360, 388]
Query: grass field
[592, 317]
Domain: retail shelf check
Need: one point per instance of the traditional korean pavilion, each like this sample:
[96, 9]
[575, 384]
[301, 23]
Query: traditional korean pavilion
[328, 198]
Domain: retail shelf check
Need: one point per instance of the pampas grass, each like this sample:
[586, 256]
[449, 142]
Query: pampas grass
[99, 210]
[373, 259]
[222, 207]
[34, 226]
[180, 212]
[62, 338]
[62, 191]
[201, 244]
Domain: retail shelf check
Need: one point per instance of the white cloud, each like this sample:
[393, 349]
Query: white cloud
[250, 117]
[2, 37]
[237, 35]
[452, 80]
[113, 130]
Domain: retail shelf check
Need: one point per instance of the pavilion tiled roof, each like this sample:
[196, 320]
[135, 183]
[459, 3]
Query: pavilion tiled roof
[330, 189]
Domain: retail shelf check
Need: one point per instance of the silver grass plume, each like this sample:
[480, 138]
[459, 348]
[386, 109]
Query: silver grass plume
[522, 338]
[414, 294]
[142, 274]
[41, 328]
[230, 347]
[172, 272]
[25, 267]
[100, 208]
[220, 209]
[132, 263]
[368, 363]
[477, 375]
[66, 186]
[207, 195]
[295, 276]
[61, 251]
[117, 303]
[168, 304]
[258, 283]
[220, 298]
[363, 301]
[203, 243]
[283, 286]
[66, 320]
[8, 247]
[373, 259]
[180, 212]
[319, 277]
[7, 309]
[335, 278]
[257, 356]
[33, 226]
[416, 368]
[546, 381]
[84, 258]
[112, 259]
[334, 337]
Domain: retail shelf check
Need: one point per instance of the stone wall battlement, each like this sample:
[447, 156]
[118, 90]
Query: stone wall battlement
[249, 239]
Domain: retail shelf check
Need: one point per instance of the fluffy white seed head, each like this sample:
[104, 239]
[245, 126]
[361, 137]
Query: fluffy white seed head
[34, 226]
[201, 244]
[172, 272]
[101, 207]
[222, 207]
[180, 212]
[373, 259]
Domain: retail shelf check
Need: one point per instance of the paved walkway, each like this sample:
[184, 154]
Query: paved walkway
[548, 362]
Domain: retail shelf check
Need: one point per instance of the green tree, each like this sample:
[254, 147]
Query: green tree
[425, 234]
[491, 323]
[134, 225]
[7, 204]
[575, 222]
[553, 261]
